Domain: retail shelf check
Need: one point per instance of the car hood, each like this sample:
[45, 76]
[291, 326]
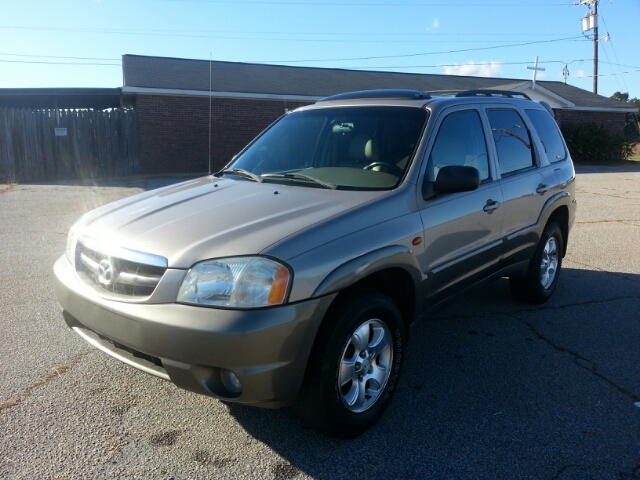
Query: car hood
[215, 217]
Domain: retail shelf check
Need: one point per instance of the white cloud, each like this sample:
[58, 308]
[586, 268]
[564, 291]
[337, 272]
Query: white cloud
[579, 74]
[435, 25]
[482, 69]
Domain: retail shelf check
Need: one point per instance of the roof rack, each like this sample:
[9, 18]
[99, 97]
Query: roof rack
[493, 93]
[381, 94]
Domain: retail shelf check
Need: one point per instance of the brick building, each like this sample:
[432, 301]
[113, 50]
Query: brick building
[178, 103]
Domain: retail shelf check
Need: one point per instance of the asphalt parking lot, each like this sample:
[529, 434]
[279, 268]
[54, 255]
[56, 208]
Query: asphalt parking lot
[492, 388]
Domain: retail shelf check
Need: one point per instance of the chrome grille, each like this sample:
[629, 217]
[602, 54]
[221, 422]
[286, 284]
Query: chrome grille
[121, 271]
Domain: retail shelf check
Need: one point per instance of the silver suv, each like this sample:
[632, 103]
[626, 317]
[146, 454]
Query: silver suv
[293, 275]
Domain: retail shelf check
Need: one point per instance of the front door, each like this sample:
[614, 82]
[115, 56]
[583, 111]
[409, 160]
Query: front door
[462, 237]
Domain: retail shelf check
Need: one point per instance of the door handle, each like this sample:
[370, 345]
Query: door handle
[491, 206]
[542, 189]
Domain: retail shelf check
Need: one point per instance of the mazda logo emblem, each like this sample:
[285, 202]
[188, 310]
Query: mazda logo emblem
[106, 273]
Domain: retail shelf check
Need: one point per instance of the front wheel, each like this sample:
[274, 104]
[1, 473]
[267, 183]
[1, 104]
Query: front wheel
[354, 367]
[544, 269]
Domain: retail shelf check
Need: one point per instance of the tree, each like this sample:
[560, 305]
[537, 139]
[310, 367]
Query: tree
[632, 125]
[621, 97]
[624, 97]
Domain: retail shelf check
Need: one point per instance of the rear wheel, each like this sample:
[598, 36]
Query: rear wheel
[541, 279]
[354, 367]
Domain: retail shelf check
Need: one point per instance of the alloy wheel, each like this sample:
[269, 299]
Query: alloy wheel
[365, 365]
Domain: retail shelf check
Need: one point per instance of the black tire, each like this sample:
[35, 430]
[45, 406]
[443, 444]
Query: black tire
[541, 279]
[334, 401]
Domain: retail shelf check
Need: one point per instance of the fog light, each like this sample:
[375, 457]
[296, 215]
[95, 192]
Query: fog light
[231, 382]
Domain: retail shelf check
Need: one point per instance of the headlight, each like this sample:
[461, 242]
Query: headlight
[240, 282]
[72, 239]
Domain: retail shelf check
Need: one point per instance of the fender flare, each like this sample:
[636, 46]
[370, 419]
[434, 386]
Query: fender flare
[352, 271]
[559, 199]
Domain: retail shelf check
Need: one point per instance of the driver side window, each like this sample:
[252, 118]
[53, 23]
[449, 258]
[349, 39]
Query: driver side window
[460, 141]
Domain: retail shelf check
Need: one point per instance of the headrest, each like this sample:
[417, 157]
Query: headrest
[363, 147]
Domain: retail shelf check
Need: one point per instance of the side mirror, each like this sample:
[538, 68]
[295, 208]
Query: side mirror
[452, 179]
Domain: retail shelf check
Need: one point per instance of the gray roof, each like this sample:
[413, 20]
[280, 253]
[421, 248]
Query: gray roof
[97, 98]
[250, 78]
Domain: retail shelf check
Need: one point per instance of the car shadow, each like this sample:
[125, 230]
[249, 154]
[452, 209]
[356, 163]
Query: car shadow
[493, 388]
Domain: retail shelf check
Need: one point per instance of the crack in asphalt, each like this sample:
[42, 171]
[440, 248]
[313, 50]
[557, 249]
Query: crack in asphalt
[565, 468]
[11, 217]
[8, 187]
[53, 373]
[579, 360]
[28, 277]
[617, 274]
[623, 221]
[623, 195]
[534, 309]
[634, 473]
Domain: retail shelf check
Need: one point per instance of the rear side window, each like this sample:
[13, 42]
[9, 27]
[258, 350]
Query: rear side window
[513, 141]
[549, 134]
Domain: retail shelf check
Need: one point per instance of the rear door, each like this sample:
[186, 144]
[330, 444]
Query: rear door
[462, 240]
[526, 182]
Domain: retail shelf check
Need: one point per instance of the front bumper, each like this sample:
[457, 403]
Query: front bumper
[267, 349]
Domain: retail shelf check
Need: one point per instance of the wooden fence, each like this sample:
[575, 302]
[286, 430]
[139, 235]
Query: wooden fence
[42, 145]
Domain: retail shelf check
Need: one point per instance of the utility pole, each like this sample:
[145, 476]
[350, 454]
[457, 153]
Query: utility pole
[590, 22]
[595, 46]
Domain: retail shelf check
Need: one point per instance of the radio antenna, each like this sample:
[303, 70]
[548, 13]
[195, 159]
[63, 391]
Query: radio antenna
[210, 60]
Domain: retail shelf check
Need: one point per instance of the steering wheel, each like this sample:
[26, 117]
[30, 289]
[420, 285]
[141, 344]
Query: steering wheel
[389, 166]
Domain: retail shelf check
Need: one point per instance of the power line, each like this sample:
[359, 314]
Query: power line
[577, 38]
[370, 66]
[609, 74]
[372, 4]
[610, 66]
[439, 65]
[386, 66]
[169, 32]
[355, 68]
[614, 52]
[244, 36]
[479, 64]
[396, 66]
[60, 63]
[57, 56]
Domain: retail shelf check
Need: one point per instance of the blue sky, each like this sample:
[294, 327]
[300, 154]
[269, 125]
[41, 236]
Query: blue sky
[79, 43]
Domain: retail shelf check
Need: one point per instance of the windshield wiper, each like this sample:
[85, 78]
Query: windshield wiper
[301, 176]
[244, 173]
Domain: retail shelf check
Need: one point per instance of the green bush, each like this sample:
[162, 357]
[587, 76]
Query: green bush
[592, 143]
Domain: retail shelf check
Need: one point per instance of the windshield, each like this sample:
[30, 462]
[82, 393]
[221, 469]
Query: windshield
[342, 147]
